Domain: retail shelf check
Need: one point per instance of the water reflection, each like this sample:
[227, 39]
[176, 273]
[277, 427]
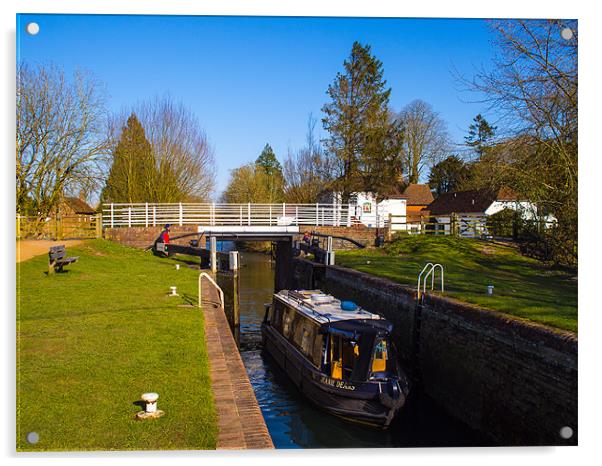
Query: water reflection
[292, 421]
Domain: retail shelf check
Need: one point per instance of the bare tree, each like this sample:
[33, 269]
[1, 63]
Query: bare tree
[60, 137]
[425, 140]
[185, 166]
[533, 85]
[307, 172]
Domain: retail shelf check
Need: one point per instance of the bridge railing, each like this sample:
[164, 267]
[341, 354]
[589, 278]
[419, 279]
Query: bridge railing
[221, 214]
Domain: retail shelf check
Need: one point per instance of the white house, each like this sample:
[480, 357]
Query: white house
[367, 210]
[471, 208]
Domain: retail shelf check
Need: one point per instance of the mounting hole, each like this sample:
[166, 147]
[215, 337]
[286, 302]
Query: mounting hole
[567, 33]
[32, 28]
[33, 437]
[566, 432]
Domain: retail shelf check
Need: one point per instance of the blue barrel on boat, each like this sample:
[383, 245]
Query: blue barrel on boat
[348, 306]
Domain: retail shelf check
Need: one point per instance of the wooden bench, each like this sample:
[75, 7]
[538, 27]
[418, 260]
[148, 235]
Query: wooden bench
[57, 259]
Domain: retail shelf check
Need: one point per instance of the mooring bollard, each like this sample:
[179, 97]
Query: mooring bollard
[213, 252]
[233, 260]
[150, 406]
[151, 402]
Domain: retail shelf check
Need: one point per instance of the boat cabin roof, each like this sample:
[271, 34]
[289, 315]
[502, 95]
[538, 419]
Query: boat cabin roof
[324, 308]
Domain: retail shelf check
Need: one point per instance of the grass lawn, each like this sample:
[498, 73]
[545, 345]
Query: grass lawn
[92, 340]
[523, 287]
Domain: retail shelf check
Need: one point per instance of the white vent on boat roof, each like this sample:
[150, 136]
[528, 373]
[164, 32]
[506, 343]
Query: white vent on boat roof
[320, 298]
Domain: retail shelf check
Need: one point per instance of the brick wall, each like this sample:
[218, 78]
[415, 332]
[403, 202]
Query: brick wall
[359, 233]
[512, 380]
[141, 237]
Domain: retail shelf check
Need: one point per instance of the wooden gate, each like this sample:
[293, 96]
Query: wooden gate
[61, 227]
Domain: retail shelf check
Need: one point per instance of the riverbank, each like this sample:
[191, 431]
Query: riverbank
[523, 287]
[511, 380]
[240, 422]
[90, 341]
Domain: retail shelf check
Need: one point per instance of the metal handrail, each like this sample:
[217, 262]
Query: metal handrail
[153, 214]
[221, 293]
[420, 277]
[429, 268]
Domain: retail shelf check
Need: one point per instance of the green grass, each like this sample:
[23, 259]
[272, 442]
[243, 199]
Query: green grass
[524, 287]
[93, 339]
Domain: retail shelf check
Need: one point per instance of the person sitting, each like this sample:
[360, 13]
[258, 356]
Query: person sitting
[162, 241]
[165, 234]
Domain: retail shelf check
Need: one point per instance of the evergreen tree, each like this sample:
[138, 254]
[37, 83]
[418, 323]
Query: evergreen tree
[447, 175]
[268, 161]
[133, 173]
[273, 179]
[480, 134]
[363, 140]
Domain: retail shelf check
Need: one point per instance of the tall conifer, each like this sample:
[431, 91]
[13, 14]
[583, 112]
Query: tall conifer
[363, 138]
[133, 172]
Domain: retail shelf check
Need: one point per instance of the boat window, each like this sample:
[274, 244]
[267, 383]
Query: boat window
[336, 364]
[297, 330]
[318, 350]
[350, 356]
[275, 315]
[305, 340]
[379, 360]
[344, 354]
[288, 322]
[303, 334]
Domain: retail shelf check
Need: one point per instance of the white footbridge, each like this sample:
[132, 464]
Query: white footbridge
[229, 215]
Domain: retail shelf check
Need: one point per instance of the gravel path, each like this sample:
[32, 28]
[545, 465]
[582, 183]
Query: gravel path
[26, 249]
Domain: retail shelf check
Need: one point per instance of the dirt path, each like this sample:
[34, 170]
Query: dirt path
[26, 249]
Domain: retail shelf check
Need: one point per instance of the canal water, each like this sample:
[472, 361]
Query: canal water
[293, 422]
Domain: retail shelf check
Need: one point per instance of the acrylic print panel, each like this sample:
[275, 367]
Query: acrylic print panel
[410, 218]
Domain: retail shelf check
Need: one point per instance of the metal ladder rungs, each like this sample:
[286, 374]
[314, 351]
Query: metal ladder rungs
[430, 269]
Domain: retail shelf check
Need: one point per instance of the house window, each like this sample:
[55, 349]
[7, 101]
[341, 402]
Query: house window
[367, 207]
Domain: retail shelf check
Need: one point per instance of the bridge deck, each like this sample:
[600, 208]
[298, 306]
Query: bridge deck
[250, 233]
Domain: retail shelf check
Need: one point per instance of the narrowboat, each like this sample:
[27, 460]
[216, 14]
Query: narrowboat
[339, 355]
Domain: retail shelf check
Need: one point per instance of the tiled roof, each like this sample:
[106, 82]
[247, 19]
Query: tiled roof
[473, 201]
[78, 206]
[418, 194]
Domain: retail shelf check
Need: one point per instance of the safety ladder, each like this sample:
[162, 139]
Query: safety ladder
[428, 270]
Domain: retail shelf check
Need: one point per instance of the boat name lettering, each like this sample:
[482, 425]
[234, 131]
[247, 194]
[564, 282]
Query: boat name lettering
[336, 383]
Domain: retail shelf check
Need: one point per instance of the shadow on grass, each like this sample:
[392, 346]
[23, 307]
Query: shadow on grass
[56, 272]
[190, 299]
[141, 404]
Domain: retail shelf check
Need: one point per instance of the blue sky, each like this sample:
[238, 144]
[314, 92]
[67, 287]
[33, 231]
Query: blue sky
[252, 80]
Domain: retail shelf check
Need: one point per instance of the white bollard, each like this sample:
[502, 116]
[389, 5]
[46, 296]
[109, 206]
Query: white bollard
[150, 407]
[213, 248]
[151, 402]
[490, 289]
[174, 291]
[233, 260]
[177, 266]
[330, 258]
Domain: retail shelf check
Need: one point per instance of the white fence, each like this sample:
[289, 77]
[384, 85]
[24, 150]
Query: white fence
[214, 214]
